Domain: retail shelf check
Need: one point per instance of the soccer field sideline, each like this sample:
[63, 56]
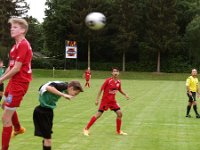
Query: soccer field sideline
[154, 118]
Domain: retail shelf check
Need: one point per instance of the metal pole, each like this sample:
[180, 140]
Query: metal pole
[53, 72]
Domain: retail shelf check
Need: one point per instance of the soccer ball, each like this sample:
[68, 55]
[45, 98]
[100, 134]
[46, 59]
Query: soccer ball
[95, 20]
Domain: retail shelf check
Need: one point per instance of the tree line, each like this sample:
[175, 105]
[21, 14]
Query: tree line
[140, 35]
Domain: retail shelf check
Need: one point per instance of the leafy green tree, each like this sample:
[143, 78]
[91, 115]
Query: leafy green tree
[9, 8]
[55, 26]
[80, 9]
[124, 16]
[186, 11]
[35, 34]
[193, 39]
[66, 21]
[162, 29]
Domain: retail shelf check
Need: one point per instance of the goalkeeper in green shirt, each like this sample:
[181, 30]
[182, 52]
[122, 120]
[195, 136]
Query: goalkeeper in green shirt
[49, 95]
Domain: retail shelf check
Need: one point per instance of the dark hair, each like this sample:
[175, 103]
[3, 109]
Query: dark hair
[76, 85]
[116, 68]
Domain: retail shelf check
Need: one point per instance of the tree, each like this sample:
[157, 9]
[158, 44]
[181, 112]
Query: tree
[35, 34]
[186, 11]
[193, 39]
[56, 26]
[80, 9]
[162, 29]
[66, 21]
[9, 8]
[124, 16]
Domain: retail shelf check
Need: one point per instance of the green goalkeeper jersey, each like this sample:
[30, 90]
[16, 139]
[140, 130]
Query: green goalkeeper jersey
[1, 71]
[48, 99]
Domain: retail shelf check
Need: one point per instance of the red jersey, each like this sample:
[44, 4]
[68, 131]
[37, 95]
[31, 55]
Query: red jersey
[87, 75]
[110, 88]
[21, 52]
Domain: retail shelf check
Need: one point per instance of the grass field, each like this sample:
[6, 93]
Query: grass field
[154, 117]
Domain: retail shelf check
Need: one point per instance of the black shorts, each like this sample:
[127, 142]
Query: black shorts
[192, 98]
[43, 122]
[1, 87]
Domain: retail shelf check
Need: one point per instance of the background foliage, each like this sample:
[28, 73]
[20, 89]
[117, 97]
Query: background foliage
[154, 35]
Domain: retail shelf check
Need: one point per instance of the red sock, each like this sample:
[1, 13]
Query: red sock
[118, 124]
[15, 122]
[92, 121]
[6, 134]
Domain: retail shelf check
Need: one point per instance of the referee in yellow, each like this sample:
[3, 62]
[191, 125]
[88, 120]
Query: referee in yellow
[192, 89]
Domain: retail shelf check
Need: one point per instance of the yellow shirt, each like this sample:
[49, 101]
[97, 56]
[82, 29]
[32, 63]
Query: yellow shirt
[192, 83]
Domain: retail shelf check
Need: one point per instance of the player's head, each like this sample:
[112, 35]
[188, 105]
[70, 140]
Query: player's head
[18, 26]
[74, 88]
[115, 72]
[194, 72]
[88, 68]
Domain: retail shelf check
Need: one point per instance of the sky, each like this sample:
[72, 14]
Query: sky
[37, 8]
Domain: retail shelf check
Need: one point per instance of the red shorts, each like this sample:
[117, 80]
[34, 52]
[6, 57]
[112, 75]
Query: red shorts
[14, 93]
[87, 79]
[111, 105]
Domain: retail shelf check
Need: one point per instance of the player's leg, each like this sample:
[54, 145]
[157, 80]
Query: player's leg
[195, 109]
[7, 126]
[43, 123]
[18, 129]
[190, 101]
[119, 122]
[91, 122]
[188, 110]
[46, 144]
[18, 92]
[195, 104]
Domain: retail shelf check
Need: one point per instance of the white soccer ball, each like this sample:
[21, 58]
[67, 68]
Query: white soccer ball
[95, 20]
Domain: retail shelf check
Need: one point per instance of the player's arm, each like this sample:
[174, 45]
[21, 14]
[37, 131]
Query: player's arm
[56, 92]
[188, 86]
[98, 96]
[6, 71]
[122, 92]
[100, 91]
[11, 72]
[197, 87]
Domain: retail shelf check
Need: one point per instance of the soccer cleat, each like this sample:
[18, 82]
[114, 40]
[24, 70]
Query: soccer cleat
[122, 133]
[86, 132]
[21, 131]
[197, 116]
[188, 116]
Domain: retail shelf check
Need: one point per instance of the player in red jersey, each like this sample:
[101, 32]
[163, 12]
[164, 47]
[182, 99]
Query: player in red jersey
[20, 74]
[110, 88]
[87, 76]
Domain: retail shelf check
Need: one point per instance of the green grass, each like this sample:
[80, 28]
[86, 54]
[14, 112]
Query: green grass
[154, 117]
[38, 73]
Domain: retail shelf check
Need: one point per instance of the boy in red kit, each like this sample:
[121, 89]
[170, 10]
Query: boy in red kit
[87, 76]
[20, 74]
[110, 88]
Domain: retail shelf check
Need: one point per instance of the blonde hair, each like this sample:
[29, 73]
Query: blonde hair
[22, 22]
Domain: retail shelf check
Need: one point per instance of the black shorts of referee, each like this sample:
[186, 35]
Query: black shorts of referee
[191, 97]
[43, 121]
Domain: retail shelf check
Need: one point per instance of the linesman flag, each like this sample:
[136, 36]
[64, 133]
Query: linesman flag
[71, 49]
